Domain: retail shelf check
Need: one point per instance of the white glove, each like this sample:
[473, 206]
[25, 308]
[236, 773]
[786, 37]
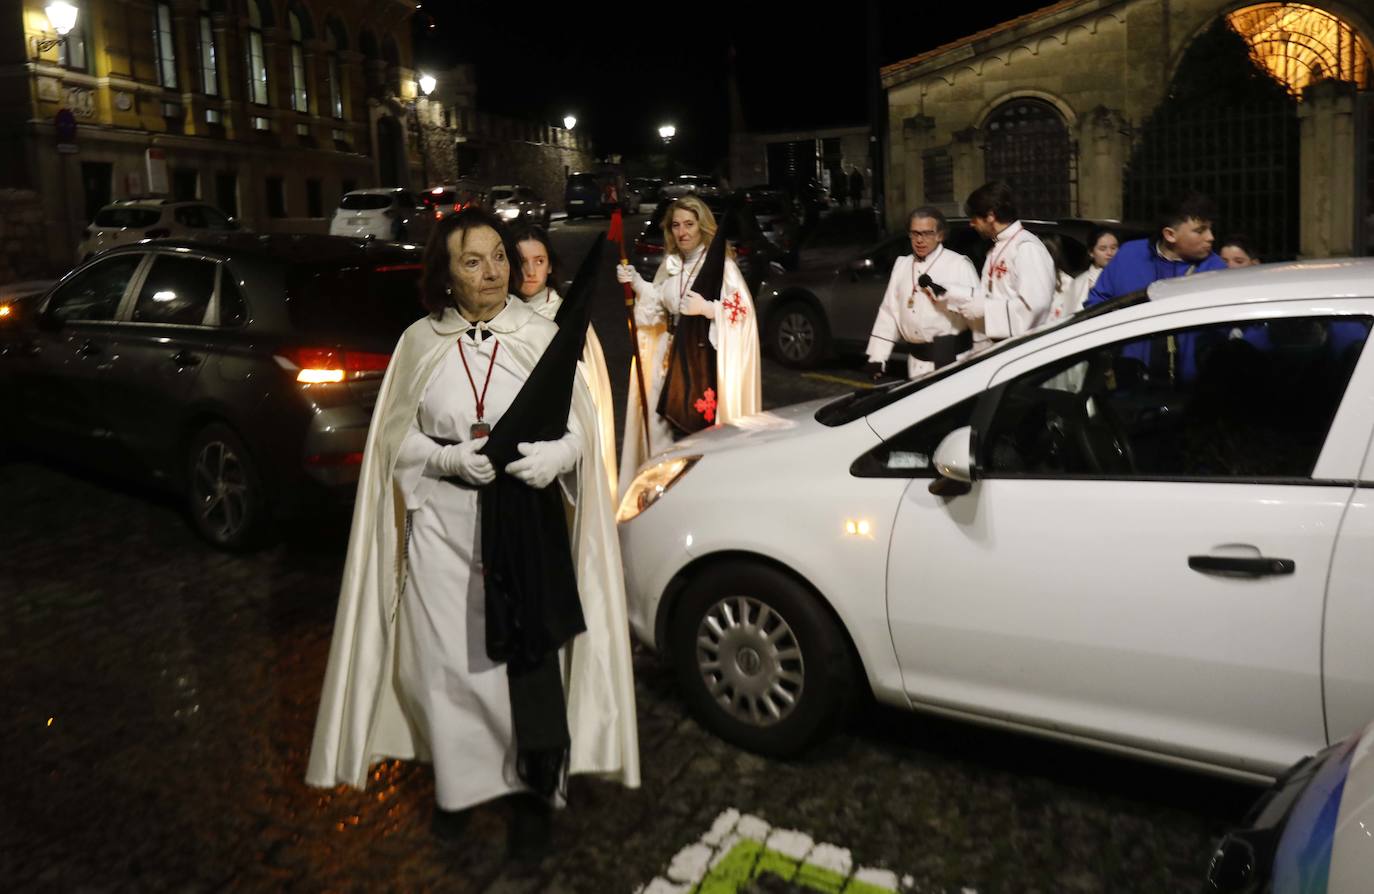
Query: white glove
[543, 461]
[695, 305]
[463, 460]
[626, 273]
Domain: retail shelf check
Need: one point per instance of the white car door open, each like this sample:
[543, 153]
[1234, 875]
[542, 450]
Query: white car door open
[1143, 556]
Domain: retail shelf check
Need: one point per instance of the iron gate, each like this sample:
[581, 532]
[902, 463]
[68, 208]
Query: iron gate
[1245, 157]
[1026, 144]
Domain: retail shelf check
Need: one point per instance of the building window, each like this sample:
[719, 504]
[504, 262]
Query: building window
[227, 193]
[314, 198]
[213, 116]
[938, 176]
[339, 135]
[1027, 144]
[302, 130]
[261, 123]
[71, 53]
[335, 40]
[165, 46]
[299, 98]
[209, 66]
[276, 197]
[257, 60]
[1300, 45]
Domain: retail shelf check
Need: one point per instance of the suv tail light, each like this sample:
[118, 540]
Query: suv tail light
[157, 233]
[323, 366]
[643, 247]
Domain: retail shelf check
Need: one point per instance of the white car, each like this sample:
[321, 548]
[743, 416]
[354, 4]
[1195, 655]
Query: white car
[513, 203]
[390, 213]
[1149, 528]
[131, 220]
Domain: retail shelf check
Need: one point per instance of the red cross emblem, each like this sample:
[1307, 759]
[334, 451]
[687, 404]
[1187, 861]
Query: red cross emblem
[736, 308]
[706, 405]
[1000, 270]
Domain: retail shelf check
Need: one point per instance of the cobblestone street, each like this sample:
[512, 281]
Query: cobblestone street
[161, 697]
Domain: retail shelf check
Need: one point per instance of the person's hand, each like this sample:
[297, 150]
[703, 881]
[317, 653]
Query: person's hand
[874, 370]
[463, 460]
[695, 305]
[626, 273]
[542, 461]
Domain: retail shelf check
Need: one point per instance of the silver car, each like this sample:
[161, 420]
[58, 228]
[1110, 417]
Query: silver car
[514, 203]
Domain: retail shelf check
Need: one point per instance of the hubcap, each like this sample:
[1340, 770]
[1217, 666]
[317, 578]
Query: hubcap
[796, 336]
[220, 490]
[750, 660]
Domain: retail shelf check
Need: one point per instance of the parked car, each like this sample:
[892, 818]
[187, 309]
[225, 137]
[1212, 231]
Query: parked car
[513, 203]
[777, 218]
[16, 298]
[450, 198]
[390, 213]
[754, 253]
[1310, 831]
[701, 184]
[828, 304]
[1047, 536]
[237, 371]
[130, 220]
[597, 192]
[647, 188]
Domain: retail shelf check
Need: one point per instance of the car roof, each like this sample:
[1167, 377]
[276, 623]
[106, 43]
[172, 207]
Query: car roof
[291, 247]
[376, 191]
[1316, 278]
[155, 203]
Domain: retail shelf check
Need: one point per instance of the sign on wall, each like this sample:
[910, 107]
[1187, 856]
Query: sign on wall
[157, 171]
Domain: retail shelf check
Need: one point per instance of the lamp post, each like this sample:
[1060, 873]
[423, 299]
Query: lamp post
[666, 133]
[62, 17]
[425, 85]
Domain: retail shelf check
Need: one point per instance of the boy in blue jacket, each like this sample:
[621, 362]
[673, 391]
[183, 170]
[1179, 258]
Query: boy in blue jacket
[1184, 246]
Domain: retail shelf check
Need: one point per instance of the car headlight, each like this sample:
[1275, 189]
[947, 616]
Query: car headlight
[509, 213]
[651, 484]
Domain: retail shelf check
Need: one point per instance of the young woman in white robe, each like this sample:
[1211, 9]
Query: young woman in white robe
[688, 228]
[1102, 246]
[408, 674]
[538, 263]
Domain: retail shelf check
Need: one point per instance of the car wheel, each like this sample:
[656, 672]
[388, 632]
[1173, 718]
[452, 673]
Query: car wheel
[797, 335]
[760, 661]
[224, 493]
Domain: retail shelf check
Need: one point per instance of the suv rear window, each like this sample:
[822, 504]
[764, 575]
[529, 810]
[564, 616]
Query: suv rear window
[127, 217]
[376, 301]
[369, 201]
[583, 180]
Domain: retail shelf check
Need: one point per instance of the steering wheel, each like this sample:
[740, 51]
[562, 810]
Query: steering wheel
[1102, 437]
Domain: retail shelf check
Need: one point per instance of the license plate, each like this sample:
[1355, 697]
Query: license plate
[357, 221]
[577, 202]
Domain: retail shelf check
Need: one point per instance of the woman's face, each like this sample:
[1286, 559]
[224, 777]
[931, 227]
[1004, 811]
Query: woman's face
[479, 271]
[534, 267]
[686, 230]
[1235, 256]
[1104, 249]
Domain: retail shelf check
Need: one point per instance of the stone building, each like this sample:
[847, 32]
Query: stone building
[1103, 108]
[270, 109]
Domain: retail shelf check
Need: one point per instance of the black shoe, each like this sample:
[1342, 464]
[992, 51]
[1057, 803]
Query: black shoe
[531, 829]
[449, 824]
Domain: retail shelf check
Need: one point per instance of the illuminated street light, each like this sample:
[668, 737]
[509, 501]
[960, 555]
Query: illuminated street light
[667, 131]
[427, 84]
[62, 17]
[569, 122]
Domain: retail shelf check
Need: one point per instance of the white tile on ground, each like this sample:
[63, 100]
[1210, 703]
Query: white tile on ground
[837, 859]
[723, 850]
[752, 827]
[882, 878]
[790, 843]
[663, 886]
[690, 864]
[724, 825]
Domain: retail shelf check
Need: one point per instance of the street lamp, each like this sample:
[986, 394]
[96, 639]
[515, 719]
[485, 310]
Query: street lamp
[62, 17]
[667, 132]
[569, 121]
[425, 84]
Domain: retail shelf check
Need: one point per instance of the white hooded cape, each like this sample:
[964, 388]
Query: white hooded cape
[360, 718]
[739, 382]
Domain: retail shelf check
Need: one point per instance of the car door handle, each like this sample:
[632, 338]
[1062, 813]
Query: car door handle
[88, 349]
[1248, 566]
[186, 358]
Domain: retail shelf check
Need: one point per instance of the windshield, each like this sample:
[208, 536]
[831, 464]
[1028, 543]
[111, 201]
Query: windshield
[500, 194]
[367, 201]
[870, 400]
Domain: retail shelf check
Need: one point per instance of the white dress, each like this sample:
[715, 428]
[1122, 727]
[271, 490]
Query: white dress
[457, 696]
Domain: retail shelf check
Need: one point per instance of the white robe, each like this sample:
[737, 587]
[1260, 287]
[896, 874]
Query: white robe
[546, 303]
[1016, 287]
[907, 315]
[365, 715]
[1082, 285]
[734, 333]
[1065, 301]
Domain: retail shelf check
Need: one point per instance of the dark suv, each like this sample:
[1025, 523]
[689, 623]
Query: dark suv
[239, 371]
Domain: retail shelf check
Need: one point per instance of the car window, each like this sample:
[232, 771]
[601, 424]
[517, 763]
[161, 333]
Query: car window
[500, 194]
[127, 217]
[94, 293]
[216, 219]
[232, 309]
[190, 216]
[910, 454]
[176, 291]
[1230, 401]
[368, 201]
[376, 301]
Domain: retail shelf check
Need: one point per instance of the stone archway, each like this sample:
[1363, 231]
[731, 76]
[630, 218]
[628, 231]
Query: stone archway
[1026, 143]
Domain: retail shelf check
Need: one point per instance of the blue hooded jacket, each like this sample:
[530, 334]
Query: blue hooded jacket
[1136, 265]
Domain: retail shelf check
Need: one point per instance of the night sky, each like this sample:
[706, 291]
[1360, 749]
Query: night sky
[626, 70]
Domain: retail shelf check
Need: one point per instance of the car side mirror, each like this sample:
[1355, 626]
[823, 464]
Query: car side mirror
[48, 321]
[953, 463]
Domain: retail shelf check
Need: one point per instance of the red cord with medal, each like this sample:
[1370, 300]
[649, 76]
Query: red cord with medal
[915, 283]
[480, 428]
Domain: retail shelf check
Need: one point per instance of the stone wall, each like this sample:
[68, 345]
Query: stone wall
[22, 237]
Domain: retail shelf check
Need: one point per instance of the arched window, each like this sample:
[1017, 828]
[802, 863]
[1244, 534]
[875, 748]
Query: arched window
[1026, 143]
[300, 30]
[336, 40]
[257, 58]
[1300, 44]
[209, 63]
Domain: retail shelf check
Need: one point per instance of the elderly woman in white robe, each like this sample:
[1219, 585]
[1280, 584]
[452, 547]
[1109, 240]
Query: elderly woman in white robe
[535, 266]
[408, 674]
[688, 228]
